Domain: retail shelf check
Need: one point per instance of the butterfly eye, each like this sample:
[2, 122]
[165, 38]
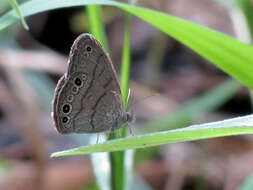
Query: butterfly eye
[66, 108]
[88, 48]
[65, 119]
[78, 81]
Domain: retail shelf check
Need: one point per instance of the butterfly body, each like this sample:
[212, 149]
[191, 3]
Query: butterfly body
[88, 97]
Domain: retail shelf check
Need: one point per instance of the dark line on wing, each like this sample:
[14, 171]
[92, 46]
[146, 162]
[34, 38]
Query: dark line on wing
[107, 83]
[91, 82]
[95, 106]
[99, 57]
[101, 73]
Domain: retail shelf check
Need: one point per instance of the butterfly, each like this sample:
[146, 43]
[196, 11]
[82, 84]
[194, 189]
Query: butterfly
[87, 97]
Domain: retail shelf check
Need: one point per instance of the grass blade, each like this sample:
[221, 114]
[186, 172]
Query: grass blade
[125, 62]
[235, 126]
[96, 24]
[118, 159]
[103, 170]
[229, 54]
[15, 6]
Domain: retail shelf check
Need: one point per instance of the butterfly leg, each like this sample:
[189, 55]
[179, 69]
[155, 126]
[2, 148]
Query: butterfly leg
[131, 129]
[120, 136]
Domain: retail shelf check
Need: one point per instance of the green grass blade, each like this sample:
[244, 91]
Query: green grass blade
[229, 54]
[96, 24]
[15, 6]
[125, 62]
[118, 170]
[97, 28]
[118, 159]
[236, 126]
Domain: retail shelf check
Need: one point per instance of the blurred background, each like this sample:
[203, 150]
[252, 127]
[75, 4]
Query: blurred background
[31, 62]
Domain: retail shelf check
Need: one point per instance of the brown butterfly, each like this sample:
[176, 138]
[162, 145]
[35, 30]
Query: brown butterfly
[87, 97]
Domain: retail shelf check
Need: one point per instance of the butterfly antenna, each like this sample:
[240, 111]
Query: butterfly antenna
[138, 101]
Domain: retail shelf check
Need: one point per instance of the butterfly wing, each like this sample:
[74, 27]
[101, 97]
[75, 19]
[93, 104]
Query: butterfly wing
[88, 97]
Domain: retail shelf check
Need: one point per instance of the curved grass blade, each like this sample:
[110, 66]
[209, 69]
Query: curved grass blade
[237, 126]
[96, 24]
[103, 170]
[229, 54]
[119, 159]
[14, 5]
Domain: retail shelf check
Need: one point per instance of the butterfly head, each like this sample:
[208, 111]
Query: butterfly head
[127, 117]
[130, 117]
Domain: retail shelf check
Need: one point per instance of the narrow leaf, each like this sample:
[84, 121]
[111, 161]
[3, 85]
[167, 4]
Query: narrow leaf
[229, 54]
[96, 24]
[15, 6]
[237, 126]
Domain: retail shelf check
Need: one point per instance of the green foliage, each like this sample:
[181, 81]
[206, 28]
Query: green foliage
[237, 126]
[117, 159]
[96, 24]
[14, 5]
[227, 53]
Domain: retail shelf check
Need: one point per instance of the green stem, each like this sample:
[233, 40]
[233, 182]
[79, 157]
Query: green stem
[96, 24]
[118, 166]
